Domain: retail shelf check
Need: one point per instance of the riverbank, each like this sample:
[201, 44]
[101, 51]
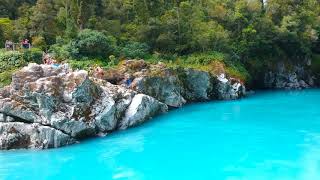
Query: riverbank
[48, 107]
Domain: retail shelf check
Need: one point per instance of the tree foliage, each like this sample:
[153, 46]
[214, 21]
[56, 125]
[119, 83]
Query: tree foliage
[245, 29]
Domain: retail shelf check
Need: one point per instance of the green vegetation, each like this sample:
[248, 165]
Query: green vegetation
[216, 35]
[10, 61]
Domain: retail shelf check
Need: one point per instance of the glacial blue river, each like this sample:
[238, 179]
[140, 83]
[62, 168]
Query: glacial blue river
[268, 135]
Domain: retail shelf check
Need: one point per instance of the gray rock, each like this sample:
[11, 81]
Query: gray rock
[14, 135]
[166, 89]
[141, 109]
[48, 107]
[298, 76]
[197, 84]
[228, 89]
[106, 119]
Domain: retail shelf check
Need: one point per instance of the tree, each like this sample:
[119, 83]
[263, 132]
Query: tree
[90, 43]
[43, 20]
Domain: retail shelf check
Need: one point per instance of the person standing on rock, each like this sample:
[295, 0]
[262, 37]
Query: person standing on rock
[99, 73]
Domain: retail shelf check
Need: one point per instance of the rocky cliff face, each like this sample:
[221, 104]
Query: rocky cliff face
[175, 87]
[295, 76]
[47, 107]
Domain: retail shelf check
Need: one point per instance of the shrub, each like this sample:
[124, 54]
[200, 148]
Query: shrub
[60, 50]
[5, 77]
[39, 42]
[91, 43]
[11, 60]
[86, 63]
[33, 55]
[135, 50]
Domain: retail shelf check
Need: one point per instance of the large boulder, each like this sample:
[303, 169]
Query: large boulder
[46, 102]
[141, 109]
[228, 89]
[198, 85]
[166, 89]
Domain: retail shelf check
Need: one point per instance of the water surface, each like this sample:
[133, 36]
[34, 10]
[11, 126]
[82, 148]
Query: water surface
[269, 135]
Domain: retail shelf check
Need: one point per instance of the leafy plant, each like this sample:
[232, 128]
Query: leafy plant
[91, 43]
[135, 50]
[33, 55]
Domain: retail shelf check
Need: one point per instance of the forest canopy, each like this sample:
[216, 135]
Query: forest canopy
[242, 29]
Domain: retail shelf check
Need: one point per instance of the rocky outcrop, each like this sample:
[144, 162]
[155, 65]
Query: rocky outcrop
[175, 87]
[228, 89]
[48, 107]
[292, 76]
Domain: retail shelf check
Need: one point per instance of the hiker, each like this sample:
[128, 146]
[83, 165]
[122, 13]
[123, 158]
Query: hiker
[99, 73]
[47, 59]
[25, 44]
[9, 45]
[128, 81]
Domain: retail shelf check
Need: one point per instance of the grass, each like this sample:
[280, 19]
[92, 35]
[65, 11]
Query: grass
[214, 63]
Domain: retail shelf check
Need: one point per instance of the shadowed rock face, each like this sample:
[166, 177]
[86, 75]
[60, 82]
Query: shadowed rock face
[299, 76]
[48, 107]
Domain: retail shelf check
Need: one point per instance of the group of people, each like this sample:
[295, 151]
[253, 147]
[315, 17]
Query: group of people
[10, 46]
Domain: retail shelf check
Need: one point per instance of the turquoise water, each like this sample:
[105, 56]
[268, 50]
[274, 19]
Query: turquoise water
[269, 135]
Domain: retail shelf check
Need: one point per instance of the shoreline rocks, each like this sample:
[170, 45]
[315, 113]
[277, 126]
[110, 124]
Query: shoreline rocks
[298, 76]
[176, 87]
[49, 107]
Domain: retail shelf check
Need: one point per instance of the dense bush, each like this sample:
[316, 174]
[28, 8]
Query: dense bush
[60, 50]
[39, 42]
[33, 55]
[11, 60]
[90, 43]
[135, 50]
